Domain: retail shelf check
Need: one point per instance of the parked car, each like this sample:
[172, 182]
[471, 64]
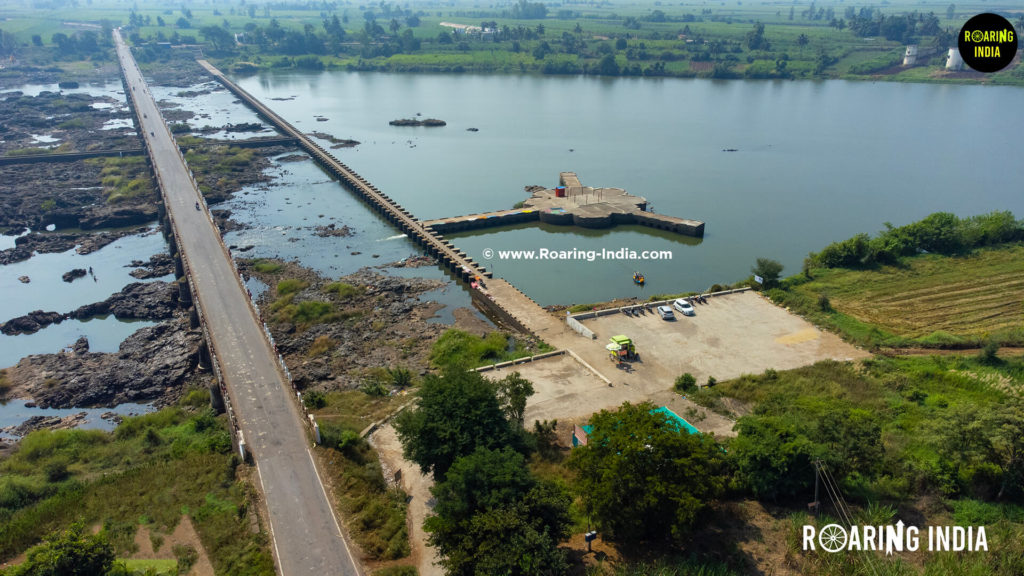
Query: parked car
[683, 306]
[666, 313]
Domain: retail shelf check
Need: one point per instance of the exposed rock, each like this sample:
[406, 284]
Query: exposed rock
[136, 301]
[158, 265]
[46, 423]
[429, 122]
[152, 363]
[335, 142]
[331, 230]
[472, 129]
[74, 274]
[30, 323]
[24, 279]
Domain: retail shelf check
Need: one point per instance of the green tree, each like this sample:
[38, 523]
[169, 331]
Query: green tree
[73, 552]
[494, 517]
[755, 39]
[641, 478]
[772, 458]
[769, 271]
[608, 66]
[802, 40]
[513, 391]
[457, 413]
[37, 40]
[685, 383]
[218, 37]
[950, 11]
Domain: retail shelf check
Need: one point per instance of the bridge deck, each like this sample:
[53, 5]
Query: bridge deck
[305, 534]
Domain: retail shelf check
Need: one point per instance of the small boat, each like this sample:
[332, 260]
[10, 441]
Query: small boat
[638, 278]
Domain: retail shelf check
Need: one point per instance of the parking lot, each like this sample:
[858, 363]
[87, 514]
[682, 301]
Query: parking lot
[729, 336]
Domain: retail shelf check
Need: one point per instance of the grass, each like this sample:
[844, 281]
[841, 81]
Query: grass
[265, 266]
[290, 286]
[374, 512]
[929, 300]
[343, 290]
[124, 178]
[321, 345]
[458, 348]
[152, 469]
[158, 567]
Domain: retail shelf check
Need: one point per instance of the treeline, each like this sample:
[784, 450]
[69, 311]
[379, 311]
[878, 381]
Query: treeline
[941, 232]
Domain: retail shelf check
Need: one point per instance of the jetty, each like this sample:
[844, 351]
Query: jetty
[571, 203]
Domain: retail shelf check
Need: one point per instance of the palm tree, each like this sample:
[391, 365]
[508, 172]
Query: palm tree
[394, 25]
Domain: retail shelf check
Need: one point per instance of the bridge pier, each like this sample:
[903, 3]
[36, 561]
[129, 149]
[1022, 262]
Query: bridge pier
[204, 355]
[193, 318]
[184, 293]
[216, 396]
[179, 267]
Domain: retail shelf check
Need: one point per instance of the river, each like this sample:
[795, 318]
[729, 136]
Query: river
[815, 162]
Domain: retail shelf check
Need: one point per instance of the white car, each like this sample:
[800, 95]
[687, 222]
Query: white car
[684, 307]
[666, 313]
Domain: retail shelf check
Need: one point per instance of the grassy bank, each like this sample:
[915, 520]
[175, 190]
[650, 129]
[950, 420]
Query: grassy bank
[151, 471]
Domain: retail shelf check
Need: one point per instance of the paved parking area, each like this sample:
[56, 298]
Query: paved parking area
[732, 335]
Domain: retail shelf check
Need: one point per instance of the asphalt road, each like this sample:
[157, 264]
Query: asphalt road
[305, 533]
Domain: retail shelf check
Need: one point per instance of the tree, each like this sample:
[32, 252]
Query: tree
[950, 11]
[802, 40]
[641, 478]
[457, 413]
[608, 66]
[73, 552]
[218, 37]
[513, 391]
[685, 383]
[755, 39]
[37, 40]
[769, 271]
[772, 457]
[494, 517]
[183, 23]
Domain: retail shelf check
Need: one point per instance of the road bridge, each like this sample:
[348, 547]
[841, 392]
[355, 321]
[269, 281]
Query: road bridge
[305, 533]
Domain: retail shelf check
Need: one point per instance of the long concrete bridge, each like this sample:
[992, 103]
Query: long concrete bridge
[305, 534]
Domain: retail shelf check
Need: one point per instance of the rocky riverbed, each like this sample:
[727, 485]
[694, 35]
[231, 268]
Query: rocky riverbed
[137, 301]
[379, 321]
[153, 365]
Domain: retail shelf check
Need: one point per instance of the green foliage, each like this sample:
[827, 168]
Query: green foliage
[401, 377]
[641, 479]
[374, 512]
[456, 348]
[685, 383]
[72, 552]
[397, 571]
[314, 400]
[265, 266]
[513, 391]
[769, 270]
[941, 232]
[894, 429]
[152, 466]
[493, 517]
[290, 286]
[457, 413]
[343, 290]
[72, 124]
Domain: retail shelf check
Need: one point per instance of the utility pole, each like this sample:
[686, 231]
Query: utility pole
[814, 506]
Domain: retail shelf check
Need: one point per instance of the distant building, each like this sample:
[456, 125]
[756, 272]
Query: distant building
[954, 61]
[910, 56]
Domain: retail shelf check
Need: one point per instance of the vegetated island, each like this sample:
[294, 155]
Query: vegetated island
[414, 122]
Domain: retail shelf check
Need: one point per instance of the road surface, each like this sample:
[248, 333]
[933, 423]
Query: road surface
[305, 533]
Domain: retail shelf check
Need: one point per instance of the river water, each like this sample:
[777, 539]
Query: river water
[815, 162]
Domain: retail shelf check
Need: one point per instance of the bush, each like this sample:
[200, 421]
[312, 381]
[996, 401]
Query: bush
[267, 266]
[685, 383]
[321, 345]
[314, 400]
[343, 290]
[289, 286]
[824, 304]
[989, 353]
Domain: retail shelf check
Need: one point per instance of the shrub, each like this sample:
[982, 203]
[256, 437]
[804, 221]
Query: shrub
[267, 266]
[989, 353]
[314, 400]
[400, 376]
[289, 286]
[685, 383]
[824, 304]
[321, 345]
[343, 290]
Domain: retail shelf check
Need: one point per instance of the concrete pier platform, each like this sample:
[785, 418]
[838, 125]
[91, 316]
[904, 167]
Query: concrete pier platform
[571, 203]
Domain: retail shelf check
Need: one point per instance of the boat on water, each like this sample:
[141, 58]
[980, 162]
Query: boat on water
[638, 278]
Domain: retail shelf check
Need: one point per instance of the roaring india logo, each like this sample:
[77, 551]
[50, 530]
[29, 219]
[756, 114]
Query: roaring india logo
[987, 42]
[895, 538]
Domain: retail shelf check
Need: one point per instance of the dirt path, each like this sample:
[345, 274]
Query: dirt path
[417, 486]
[185, 535]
